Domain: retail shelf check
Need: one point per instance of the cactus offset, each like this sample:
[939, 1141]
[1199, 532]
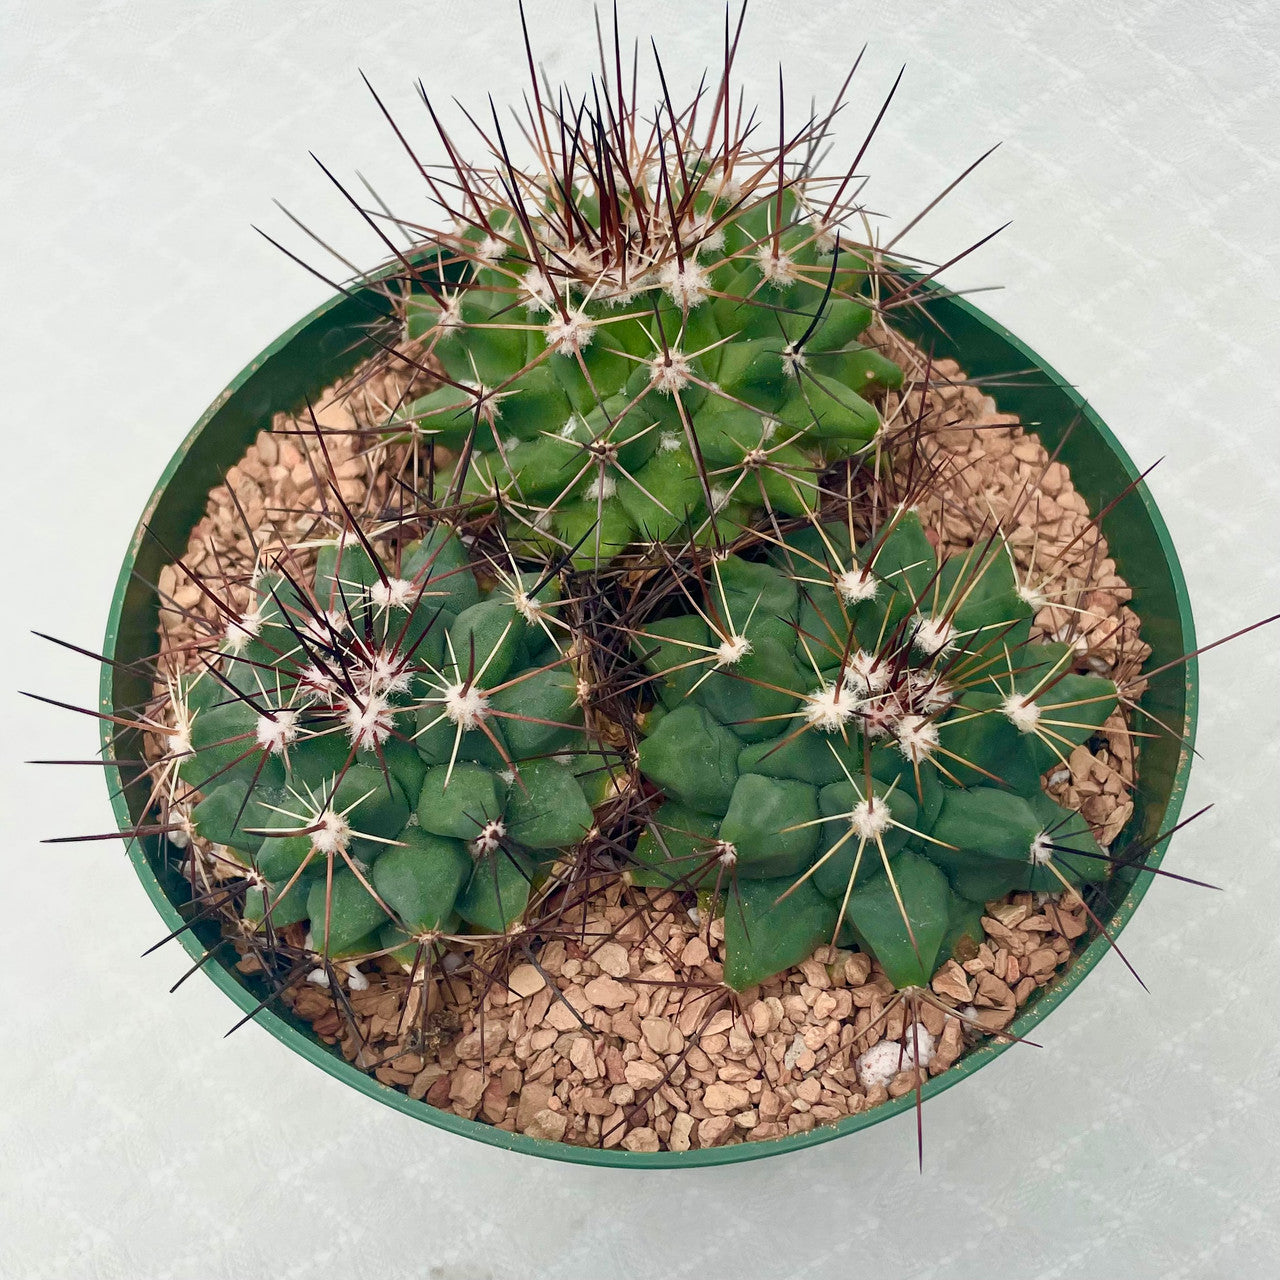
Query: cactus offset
[869, 728]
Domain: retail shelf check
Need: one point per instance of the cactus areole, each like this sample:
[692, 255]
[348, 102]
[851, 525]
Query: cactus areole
[650, 602]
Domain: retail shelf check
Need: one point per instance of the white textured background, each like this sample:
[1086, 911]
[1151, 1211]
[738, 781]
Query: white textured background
[140, 138]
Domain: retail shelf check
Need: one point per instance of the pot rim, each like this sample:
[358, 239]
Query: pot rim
[335, 1065]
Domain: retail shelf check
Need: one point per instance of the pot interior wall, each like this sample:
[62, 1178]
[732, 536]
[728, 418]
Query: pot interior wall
[329, 343]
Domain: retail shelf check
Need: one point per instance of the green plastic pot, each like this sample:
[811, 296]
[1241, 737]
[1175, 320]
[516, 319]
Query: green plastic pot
[329, 342]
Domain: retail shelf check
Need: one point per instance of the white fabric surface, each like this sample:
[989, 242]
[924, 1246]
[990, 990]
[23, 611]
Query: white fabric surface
[141, 138]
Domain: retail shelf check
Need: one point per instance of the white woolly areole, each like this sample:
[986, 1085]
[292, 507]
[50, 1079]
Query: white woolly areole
[917, 738]
[719, 498]
[777, 268]
[312, 677]
[465, 705]
[696, 234]
[1023, 711]
[368, 723]
[489, 250]
[322, 629]
[1041, 850]
[688, 285]
[1032, 596]
[601, 487]
[934, 637]
[539, 295]
[830, 708]
[383, 674]
[855, 585]
[529, 608]
[490, 838]
[870, 818]
[865, 673]
[928, 693]
[732, 650]
[243, 629]
[881, 715]
[793, 358]
[883, 1061]
[669, 372]
[824, 239]
[726, 853]
[395, 593]
[669, 441]
[567, 334]
[276, 733]
[451, 314]
[334, 833]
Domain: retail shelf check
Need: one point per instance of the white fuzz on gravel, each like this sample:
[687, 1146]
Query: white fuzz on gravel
[276, 731]
[883, 1061]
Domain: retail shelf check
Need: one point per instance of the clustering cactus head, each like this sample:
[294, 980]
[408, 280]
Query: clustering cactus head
[857, 733]
[654, 604]
[649, 337]
[391, 751]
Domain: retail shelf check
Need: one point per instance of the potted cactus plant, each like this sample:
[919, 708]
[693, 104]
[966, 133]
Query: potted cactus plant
[597, 645]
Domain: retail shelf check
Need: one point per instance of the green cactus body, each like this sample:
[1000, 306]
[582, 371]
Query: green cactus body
[892, 722]
[612, 413]
[391, 751]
